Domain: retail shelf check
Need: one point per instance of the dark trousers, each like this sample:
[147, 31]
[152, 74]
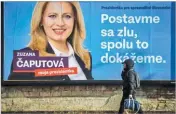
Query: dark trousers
[126, 96]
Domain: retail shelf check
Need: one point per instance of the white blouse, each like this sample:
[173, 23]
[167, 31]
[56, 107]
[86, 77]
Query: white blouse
[72, 62]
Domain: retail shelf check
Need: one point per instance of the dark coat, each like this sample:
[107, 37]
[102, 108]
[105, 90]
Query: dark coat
[128, 76]
[30, 76]
[129, 82]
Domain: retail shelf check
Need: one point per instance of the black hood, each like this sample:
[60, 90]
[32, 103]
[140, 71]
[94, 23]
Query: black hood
[129, 63]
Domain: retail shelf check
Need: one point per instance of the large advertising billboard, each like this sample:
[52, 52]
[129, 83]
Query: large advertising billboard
[87, 40]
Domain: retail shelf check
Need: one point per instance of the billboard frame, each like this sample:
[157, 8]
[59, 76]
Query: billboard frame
[171, 82]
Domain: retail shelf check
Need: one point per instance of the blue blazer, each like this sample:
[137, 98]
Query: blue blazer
[30, 76]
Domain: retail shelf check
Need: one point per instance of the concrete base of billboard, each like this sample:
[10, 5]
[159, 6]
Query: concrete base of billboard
[82, 98]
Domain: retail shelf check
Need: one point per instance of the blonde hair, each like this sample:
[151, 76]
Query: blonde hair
[39, 40]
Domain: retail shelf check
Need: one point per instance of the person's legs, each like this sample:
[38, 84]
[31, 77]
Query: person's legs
[121, 109]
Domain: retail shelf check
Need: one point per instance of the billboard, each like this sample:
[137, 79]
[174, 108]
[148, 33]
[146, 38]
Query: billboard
[87, 40]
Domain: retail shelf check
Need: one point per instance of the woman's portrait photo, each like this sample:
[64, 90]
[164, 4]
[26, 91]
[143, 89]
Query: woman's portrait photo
[58, 29]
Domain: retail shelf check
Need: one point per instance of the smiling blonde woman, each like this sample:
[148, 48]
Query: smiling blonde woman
[57, 29]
